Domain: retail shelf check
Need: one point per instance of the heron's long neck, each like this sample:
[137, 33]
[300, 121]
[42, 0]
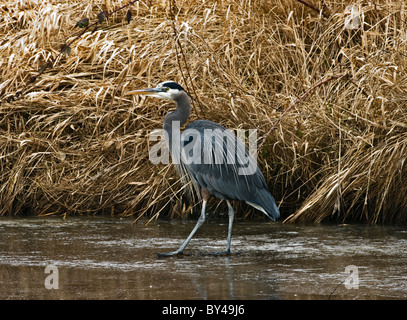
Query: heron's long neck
[175, 119]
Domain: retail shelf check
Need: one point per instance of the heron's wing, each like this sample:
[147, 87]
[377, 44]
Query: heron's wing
[219, 162]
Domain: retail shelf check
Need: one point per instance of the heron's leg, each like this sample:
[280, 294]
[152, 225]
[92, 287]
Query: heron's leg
[227, 252]
[231, 214]
[201, 220]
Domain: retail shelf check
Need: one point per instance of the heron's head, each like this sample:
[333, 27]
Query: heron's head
[165, 90]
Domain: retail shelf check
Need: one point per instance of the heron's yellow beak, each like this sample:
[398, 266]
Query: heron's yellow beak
[147, 92]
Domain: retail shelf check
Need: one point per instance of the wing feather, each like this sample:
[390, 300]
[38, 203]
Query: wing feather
[216, 160]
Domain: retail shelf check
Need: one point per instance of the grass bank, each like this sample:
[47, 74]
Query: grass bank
[73, 142]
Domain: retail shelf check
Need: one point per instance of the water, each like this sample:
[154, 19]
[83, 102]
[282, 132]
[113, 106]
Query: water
[109, 258]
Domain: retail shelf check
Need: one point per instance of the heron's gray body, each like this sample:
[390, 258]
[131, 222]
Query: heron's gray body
[214, 159]
[223, 180]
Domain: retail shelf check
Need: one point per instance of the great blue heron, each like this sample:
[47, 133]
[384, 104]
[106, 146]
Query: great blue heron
[216, 161]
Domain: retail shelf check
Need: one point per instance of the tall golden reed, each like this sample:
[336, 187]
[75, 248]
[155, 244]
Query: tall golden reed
[75, 143]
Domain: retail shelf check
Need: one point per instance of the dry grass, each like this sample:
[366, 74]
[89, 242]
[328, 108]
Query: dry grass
[76, 143]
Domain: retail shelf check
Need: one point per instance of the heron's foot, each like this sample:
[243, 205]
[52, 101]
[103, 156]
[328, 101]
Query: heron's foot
[221, 254]
[172, 254]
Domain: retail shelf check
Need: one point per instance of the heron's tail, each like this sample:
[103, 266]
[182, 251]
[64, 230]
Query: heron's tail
[266, 204]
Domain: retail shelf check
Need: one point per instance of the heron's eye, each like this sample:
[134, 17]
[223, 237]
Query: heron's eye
[166, 88]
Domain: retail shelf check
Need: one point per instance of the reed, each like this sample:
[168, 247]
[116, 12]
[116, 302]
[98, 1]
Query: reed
[329, 103]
